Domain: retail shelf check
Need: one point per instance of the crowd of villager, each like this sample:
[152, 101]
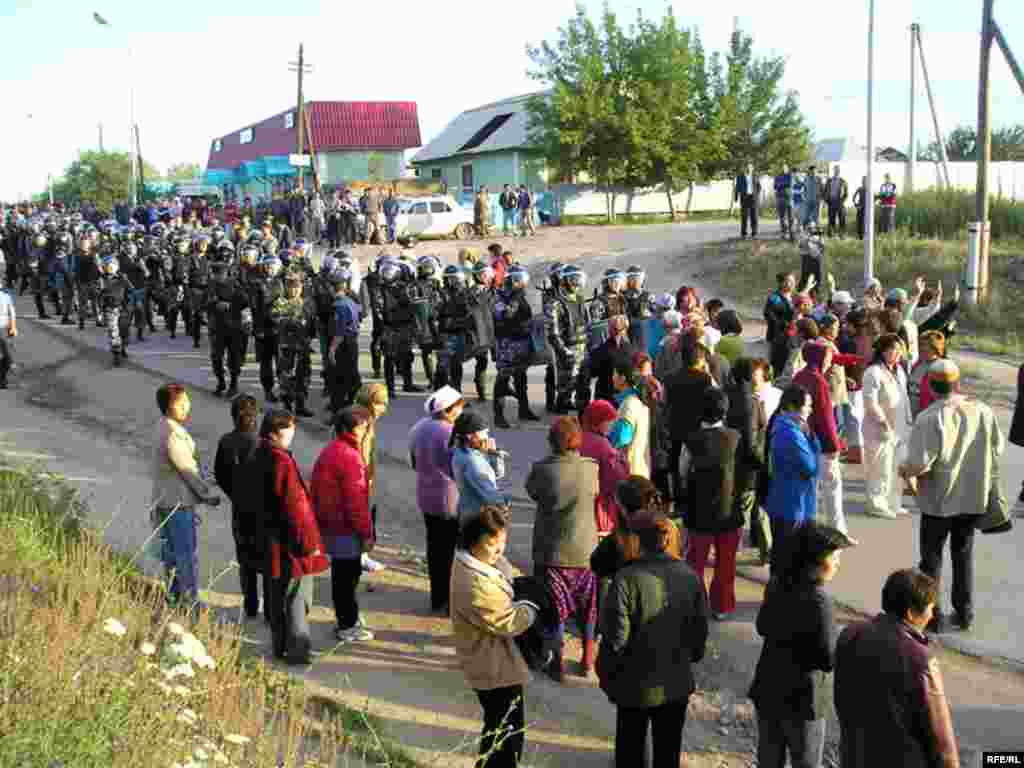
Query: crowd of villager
[671, 445]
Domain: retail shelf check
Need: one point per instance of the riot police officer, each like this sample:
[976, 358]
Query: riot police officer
[294, 320]
[455, 328]
[323, 289]
[371, 298]
[604, 306]
[113, 298]
[267, 289]
[152, 258]
[639, 307]
[566, 327]
[198, 280]
[133, 267]
[399, 325]
[88, 277]
[483, 296]
[225, 304]
[426, 298]
[512, 318]
[37, 267]
[176, 294]
[548, 294]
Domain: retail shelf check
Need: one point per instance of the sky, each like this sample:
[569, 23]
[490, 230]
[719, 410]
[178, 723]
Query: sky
[208, 68]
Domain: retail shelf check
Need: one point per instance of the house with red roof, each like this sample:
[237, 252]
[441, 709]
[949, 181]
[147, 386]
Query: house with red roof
[353, 141]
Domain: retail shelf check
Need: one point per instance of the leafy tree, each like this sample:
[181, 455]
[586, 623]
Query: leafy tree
[759, 123]
[183, 171]
[962, 144]
[101, 177]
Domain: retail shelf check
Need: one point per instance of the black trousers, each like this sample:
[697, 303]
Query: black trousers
[266, 353]
[666, 722]
[960, 532]
[836, 218]
[442, 535]
[809, 265]
[675, 450]
[748, 212]
[345, 381]
[804, 740]
[229, 342]
[5, 355]
[504, 733]
[345, 575]
[860, 223]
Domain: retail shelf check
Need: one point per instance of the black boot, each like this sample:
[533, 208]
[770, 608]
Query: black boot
[269, 396]
[233, 389]
[221, 386]
[499, 415]
[40, 309]
[117, 358]
[301, 409]
[138, 334]
[525, 414]
[428, 366]
[408, 386]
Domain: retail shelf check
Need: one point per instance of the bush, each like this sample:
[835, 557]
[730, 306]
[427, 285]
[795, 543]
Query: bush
[945, 214]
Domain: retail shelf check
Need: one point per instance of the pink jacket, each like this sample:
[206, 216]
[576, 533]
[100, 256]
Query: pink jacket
[612, 470]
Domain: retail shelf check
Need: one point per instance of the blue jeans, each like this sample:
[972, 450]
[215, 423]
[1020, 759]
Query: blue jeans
[391, 230]
[508, 220]
[178, 552]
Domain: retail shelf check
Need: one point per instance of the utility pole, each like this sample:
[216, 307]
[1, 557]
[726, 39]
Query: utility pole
[869, 189]
[931, 103]
[101, 137]
[142, 174]
[912, 154]
[300, 67]
[977, 235]
[1018, 73]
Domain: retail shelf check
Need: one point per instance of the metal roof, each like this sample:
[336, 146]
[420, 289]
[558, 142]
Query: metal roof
[510, 134]
[333, 125]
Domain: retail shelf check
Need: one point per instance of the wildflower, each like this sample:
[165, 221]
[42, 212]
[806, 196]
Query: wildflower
[179, 670]
[237, 739]
[188, 717]
[115, 628]
[147, 649]
[205, 661]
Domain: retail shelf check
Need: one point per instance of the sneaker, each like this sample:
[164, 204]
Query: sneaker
[370, 565]
[902, 511]
[875, 512]
[354, 634]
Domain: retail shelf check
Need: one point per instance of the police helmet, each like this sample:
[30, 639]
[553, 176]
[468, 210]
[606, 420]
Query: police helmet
[328, 263]
[158, 230]
[109, 265]
[454, 277]
[390, 270]
[217, 235]
[635, 277]
[517, 277]
[613, 280]
[249, 256]
[342, 277]
[427, 267]
[271, 264]
[39, 240]
[129, 250]
[666, 302]
[572, 278]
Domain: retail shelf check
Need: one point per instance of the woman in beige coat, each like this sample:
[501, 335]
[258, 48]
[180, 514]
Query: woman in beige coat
[485, 618]
[886, 427]
[177, 488]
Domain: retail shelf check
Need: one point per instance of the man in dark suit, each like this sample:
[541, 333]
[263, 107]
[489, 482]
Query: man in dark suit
[748, 194]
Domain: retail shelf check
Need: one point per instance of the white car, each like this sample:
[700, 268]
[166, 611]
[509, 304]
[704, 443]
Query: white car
[434, 215]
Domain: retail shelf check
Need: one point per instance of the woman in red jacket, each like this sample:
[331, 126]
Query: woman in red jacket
[295, 551]
[341, 498]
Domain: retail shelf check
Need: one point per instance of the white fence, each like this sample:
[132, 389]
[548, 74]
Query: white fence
[1005, 179]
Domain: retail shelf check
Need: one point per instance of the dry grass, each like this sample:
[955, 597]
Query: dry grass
[96, 671]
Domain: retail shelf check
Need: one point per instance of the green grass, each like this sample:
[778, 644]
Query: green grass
[72, 692]
[992, 327]
[945, 213]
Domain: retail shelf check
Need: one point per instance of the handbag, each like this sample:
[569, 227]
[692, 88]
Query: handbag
[996, 518]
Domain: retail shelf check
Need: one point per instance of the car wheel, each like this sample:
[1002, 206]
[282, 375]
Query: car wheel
[464, 231]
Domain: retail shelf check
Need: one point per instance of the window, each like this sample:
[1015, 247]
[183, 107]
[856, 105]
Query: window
[435, 173]
[419, 208]
[484, 133]
[218, 145]
[245, 137]
[289, 120]
[467, 176]
[438, 206]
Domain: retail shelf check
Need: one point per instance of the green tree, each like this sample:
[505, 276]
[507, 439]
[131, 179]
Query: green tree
[101, 177]
[962, 144]
[182, 172]
[760, 123]
[585, 122]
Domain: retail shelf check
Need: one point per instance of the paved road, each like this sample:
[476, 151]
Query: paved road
[662, 250]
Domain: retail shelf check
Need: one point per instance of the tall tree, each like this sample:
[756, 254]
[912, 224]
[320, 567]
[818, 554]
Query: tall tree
[101, 177]
[183, 171]
[962, 144]
[760, 123]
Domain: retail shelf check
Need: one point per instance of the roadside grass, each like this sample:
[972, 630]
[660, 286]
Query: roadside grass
[96, 671]
[746, 271]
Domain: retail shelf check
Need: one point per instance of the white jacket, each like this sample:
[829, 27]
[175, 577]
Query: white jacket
[886, 404]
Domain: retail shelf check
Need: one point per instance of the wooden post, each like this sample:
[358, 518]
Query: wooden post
[984, 153]
[299, 133]
[1018, 73]
[912, 154]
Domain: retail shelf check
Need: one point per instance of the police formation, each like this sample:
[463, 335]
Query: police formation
[248, 288]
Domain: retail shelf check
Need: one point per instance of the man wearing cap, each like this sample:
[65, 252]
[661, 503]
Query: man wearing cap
[897, 299]
[954, 452]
